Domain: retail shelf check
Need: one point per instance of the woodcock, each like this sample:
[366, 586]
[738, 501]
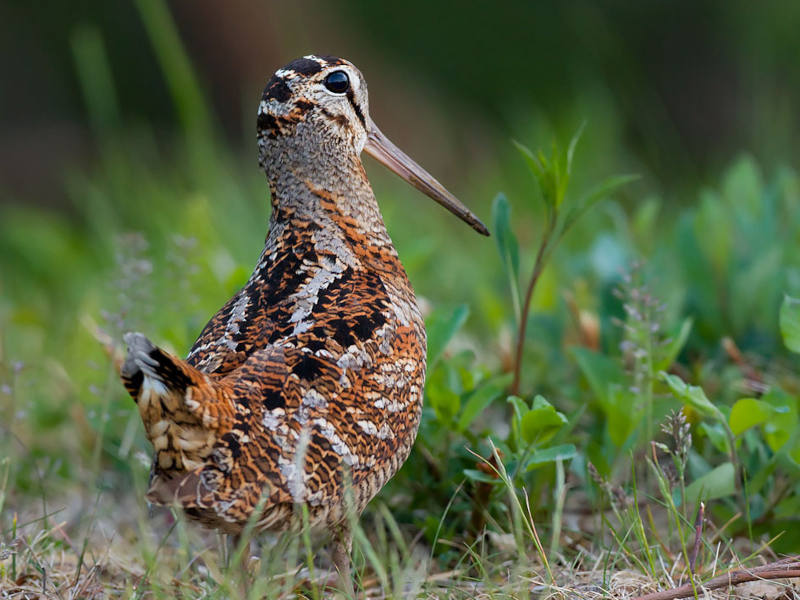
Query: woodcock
[306, 387]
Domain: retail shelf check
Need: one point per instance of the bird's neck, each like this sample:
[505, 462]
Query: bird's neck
[325, 210]
[326, 230]
[331, 193]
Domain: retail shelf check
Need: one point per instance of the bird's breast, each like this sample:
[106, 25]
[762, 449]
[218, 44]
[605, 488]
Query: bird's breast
[324, 351]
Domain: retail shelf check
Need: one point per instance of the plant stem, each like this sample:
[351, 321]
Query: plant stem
[538, 267]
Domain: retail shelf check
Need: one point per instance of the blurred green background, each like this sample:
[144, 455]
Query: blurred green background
[673, 90]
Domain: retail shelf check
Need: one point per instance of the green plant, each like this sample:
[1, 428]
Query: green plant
[552, 175]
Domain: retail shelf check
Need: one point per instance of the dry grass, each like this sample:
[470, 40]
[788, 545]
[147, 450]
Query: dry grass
[110, 547]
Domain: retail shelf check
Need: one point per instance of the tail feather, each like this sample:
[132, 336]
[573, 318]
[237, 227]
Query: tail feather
[184, 411]
[145, 359]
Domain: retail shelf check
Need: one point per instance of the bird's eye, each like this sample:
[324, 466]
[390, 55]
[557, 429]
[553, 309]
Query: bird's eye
[337, 82]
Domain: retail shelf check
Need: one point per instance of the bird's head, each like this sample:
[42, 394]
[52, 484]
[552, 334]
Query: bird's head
[317, 107]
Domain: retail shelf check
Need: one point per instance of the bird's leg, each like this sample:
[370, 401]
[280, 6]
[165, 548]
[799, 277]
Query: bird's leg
[232, 541]
[342, 544]
[235, 542]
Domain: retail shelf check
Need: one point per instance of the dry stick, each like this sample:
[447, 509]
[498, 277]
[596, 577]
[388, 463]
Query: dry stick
[752, 378]
[698, 533]
[782, 569]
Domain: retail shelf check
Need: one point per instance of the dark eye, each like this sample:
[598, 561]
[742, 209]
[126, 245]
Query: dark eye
[337, 82]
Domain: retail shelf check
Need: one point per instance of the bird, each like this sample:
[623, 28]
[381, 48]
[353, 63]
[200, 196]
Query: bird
[305, 389]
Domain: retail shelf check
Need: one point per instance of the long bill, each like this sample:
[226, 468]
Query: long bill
[385, 152]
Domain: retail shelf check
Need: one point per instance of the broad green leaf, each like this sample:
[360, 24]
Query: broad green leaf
[716, 434]
[601, 191]
[504, 236]
[477, 475]
[717, 483]
[445, 403]
[600, 372]
[441, 328]
[541, 403]
[692, 395]
[790, 462]
[759, 478]
[443, 393]
[605, 188]
[548, 455]
[482, 397]
[712, 229]
[788, 508]
[541, 422]
[759, 274]
[508, 247]
[790, 323]
[520, 408]
[783, 423]
[621, 418]
[742, 187]
[603, 375]
[747, 413]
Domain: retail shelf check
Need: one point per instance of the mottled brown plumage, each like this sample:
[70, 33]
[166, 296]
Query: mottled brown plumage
[308, 382]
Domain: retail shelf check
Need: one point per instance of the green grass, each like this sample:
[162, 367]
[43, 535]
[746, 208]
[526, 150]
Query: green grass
[653, 373]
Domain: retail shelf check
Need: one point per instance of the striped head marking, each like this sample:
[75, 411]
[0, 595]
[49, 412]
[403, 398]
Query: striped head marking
[313, 117]
[314, 98]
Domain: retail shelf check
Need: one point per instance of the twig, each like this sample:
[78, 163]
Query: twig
[698, 533]
[753, 380]
[430, 460]
[782, 569]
